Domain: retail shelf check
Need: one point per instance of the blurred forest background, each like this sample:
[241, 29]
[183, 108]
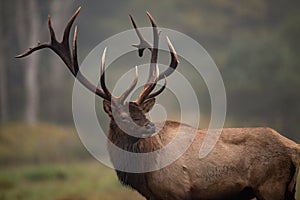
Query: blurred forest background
[255, 44]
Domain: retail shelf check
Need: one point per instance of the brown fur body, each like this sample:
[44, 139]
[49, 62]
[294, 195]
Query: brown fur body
[245, 163]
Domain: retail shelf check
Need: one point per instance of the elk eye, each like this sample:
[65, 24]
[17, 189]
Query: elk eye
[123, 116]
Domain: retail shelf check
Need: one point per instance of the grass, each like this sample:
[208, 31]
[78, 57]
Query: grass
[20, 143]
[87, 180]
[73, 181]
[49, 162]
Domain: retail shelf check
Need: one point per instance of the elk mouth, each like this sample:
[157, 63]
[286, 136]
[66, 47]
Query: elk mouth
[150, 129]
[135, 130]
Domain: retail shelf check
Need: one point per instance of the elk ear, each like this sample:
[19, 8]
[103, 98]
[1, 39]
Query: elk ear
[107, 107]
[148, 105]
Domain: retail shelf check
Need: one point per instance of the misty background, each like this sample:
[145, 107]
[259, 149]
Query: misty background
[255, 44]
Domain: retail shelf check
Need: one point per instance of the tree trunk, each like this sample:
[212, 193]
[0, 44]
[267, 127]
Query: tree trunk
[3, 67]
[3, 86]
[3, 83]
[32, 62]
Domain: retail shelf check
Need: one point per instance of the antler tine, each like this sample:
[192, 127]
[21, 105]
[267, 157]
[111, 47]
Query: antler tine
[43, 45]
[151, 19]
[154, 76]
[102, 78]
[153, 71]
[154, 94]
[147, 90]
[144, 44]
[154, 51]
[105, 89]
[68, 27]
[74, 52]
[52, 33]
[131, 87]
[80, 76]
[174, 61]
[62, 49]
[167, 72]
[31, 50]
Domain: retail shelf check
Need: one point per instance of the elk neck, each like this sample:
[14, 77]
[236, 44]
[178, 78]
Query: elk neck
[132, 144]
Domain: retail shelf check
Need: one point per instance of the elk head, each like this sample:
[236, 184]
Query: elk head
[129, 116]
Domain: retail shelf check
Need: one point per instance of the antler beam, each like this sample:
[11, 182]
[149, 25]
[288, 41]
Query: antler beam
[154, 76]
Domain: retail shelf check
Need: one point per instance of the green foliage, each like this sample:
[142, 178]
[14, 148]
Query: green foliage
[45, 173]
[72, 181]
[20, 143]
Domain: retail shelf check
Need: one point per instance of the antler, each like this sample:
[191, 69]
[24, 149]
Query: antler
[62, 49]
[116, 100]
[154, 75]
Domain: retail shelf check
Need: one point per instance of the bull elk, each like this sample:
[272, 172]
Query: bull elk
[246, 163]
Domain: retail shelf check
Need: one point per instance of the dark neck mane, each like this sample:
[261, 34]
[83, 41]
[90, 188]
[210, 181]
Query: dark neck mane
[131, 144]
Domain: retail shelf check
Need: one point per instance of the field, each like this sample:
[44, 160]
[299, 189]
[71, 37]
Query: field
[73, 181]
[48, 162]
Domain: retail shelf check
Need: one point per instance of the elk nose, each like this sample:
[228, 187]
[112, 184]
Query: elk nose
[151, 126]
